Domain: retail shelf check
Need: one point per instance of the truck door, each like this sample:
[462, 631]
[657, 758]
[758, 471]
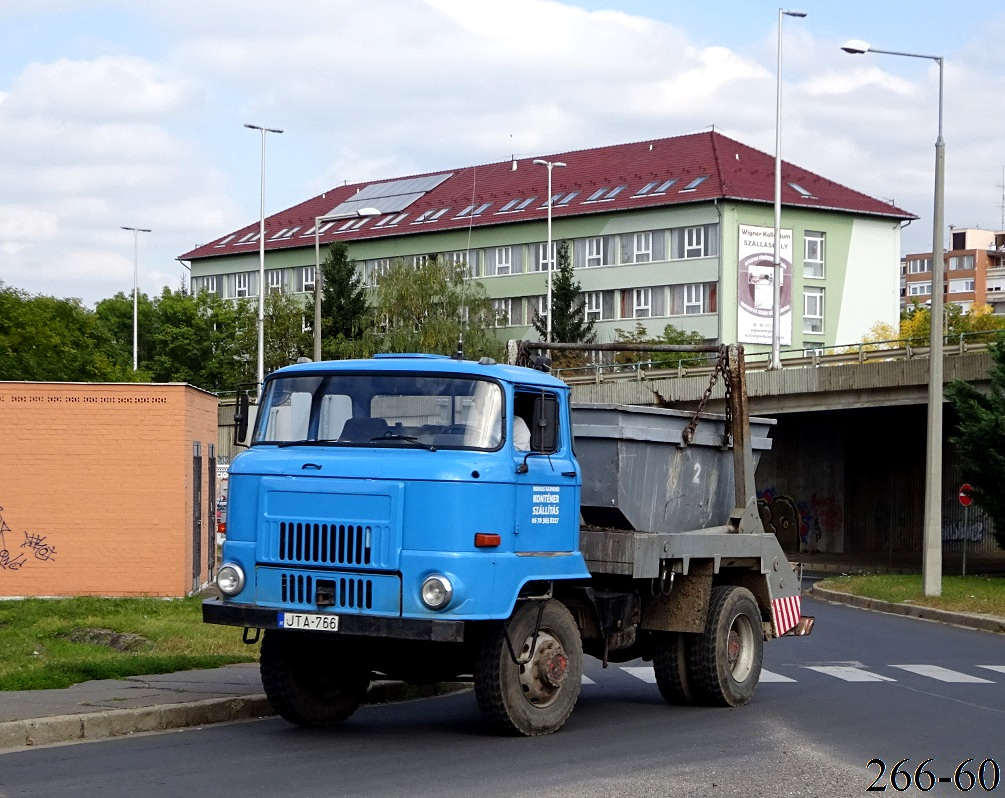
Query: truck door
[547, 479]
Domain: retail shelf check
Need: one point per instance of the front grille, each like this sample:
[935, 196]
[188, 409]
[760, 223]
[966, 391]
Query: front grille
[349, 592]
[331, 544]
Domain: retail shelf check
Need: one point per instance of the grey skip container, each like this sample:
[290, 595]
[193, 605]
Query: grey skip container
[637, 476]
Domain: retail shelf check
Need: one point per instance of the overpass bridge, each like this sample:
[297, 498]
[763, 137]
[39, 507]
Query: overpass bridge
[846, 471]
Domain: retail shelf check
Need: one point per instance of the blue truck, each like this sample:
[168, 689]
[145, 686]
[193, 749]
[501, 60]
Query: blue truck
[391, 518]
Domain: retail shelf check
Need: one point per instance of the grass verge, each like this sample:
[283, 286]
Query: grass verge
[980, 594]
[53, 643]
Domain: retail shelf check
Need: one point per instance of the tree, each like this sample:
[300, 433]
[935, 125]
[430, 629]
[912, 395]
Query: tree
[426, 308]
[344, 304]
[48, 339]
[116, 316]
[285, 338]
[568, 317]
[659, 360]
[915, 323]
[980, 438]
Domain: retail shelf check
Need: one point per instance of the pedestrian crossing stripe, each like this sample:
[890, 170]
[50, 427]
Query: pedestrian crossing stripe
[943, 674]
[849, 673]
[845, 673]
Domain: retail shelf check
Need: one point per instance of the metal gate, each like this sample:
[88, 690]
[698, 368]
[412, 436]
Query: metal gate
[212, 505]
[196, 514]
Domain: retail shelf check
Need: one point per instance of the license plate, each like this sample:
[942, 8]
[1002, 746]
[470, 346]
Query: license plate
[312, 621]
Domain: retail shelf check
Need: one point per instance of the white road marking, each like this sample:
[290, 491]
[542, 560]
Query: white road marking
[770, 676]
[848, 673]
[646, 674]
[998, 668]
[942, 674]
[587, 680]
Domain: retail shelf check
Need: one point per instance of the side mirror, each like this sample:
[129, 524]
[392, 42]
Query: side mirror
[241, 416]
[544, 429]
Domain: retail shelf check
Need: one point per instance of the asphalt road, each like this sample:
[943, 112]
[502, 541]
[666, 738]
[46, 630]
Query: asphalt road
[863, 686]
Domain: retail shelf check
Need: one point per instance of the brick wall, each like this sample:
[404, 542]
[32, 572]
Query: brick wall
[96, 486]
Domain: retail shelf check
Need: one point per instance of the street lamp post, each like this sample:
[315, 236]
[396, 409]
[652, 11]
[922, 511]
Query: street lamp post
[318, 220]
[261, 261]
[551, 260]
[776, 277]
[136, 260]
[931, 565]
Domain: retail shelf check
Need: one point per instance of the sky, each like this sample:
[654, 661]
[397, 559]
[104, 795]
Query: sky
[130, 112]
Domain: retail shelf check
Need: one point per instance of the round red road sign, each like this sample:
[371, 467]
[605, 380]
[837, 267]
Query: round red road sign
[965, 498]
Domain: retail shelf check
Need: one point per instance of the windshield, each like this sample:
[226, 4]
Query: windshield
[385, 410]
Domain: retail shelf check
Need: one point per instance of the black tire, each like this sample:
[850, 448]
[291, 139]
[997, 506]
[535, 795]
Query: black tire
[536, 698]
[311, 680]
[724, 662]
[670, 664]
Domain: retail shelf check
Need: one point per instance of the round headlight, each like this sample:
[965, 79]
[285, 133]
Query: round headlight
[437, 592]
[230, 579]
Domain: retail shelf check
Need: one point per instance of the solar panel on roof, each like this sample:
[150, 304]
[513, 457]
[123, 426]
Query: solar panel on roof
[389, 197]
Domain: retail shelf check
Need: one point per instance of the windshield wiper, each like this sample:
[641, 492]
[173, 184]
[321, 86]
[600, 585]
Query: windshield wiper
[318, 442]
[396, 436]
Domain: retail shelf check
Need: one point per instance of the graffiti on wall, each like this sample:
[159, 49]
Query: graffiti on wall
[37, 546]
[803, 524]
[972, 530]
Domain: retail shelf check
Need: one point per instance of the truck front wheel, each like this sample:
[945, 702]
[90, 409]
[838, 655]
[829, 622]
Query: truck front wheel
[724, 662]
[537, 695]
[311, 680]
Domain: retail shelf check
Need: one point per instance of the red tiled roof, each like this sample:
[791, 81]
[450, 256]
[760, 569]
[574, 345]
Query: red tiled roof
[731, 170]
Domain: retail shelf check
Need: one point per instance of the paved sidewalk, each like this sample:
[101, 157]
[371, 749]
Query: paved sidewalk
[112, 707]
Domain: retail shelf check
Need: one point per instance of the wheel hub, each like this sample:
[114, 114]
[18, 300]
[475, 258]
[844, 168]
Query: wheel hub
[542, 676]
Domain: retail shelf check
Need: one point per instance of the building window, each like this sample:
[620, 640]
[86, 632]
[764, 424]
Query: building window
[539, 305]
[594, 252]
[541, 259]
[961, 286]
[275, 281]
[813, 254]
[813, 310]
[694, 298]
[305, 280]
[207, 284]
[694, 242]
[964, 262]
[642, 302]
[919, 265]
[594, 305]
[919, 289]
[242, 284]
[504, 259]
[503, 311]
[643, 248]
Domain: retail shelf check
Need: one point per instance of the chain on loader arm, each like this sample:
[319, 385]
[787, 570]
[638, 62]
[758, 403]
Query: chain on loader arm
[687, 436]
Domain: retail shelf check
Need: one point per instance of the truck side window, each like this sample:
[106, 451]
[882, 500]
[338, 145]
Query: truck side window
[539, 410]
[544, 425]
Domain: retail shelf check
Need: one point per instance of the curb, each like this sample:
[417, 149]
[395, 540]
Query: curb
[21, 734]
[981, 623]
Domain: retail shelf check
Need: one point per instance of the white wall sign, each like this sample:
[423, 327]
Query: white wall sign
[755, 269]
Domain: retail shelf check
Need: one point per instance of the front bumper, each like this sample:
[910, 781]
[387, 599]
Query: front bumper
[252, 616]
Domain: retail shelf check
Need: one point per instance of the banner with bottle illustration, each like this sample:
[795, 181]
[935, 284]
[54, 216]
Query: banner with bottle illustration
[755, 290]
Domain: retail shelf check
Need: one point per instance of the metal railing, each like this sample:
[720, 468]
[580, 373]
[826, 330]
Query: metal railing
[842, 355]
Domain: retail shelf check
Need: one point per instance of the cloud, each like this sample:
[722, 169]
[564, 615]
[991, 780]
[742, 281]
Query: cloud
[150, 134]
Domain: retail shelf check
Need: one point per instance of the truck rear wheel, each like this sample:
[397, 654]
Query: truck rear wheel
[724, 662]
[538, 696]
[311, 680]
[670, 664]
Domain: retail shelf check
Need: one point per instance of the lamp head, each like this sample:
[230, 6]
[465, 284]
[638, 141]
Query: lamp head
[855, 47]
[799, 14]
